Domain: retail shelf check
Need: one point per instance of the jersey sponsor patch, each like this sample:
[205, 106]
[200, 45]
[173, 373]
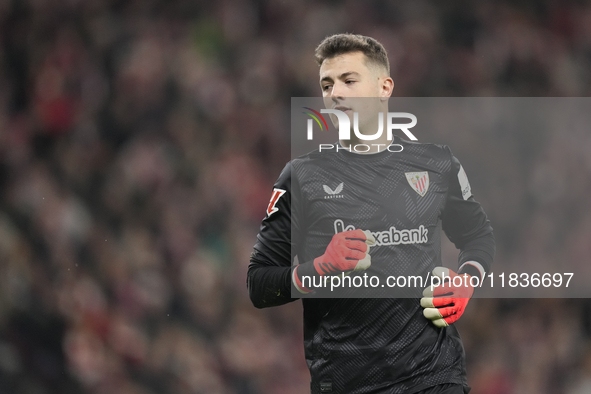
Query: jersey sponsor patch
[392, 236]
[419, 181]
[464, 184]
[277, 193]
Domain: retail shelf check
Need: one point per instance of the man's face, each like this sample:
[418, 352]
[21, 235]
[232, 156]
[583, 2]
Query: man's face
[349, 76]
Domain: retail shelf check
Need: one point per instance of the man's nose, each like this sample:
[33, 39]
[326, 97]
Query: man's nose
[337, 91]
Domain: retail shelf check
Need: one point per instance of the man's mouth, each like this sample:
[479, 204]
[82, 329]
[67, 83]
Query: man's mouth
[341, 108]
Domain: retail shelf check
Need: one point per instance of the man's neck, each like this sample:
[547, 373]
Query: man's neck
[360, 146]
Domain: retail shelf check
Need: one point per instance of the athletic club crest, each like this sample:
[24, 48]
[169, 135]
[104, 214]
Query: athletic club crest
[419, 181]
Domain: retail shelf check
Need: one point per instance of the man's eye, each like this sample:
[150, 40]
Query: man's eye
[326, 87]
[350, 81]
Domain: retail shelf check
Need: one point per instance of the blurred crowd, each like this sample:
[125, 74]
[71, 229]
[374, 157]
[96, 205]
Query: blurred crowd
[139, 141]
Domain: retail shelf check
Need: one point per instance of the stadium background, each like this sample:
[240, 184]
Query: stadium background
[139, 141]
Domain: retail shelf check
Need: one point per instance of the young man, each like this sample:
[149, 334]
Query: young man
[371, 345]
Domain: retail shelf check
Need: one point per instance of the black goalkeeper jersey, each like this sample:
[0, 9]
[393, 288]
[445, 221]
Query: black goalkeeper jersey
[372, 345]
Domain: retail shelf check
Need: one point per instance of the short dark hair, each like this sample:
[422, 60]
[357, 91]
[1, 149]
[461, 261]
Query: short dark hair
[340, 44]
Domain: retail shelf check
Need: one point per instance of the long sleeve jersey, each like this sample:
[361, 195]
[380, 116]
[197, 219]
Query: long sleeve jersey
[405, 198]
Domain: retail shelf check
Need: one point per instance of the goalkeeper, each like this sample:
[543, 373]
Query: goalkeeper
[372, 345]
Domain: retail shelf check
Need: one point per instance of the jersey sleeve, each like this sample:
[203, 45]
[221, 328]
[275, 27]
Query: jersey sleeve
[269, 272]
[466, 225]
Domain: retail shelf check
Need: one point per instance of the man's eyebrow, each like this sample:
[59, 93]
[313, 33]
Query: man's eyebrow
[348, 73]
[342, 76]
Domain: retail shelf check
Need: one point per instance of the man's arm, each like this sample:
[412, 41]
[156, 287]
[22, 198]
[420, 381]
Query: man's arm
[467, 226]
[268, 278]
[268, 284]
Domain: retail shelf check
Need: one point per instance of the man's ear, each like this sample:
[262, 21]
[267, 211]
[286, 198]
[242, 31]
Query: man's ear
[386, 87]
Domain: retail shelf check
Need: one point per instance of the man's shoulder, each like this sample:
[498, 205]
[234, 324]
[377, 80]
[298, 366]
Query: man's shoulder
[314, 157]
[298, 165]
[422, 148]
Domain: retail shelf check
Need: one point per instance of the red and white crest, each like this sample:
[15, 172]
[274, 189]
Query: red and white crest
[271, 209]
[419, 181]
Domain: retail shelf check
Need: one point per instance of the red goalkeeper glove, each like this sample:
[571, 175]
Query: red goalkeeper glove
[444, 304]
[346, 252]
